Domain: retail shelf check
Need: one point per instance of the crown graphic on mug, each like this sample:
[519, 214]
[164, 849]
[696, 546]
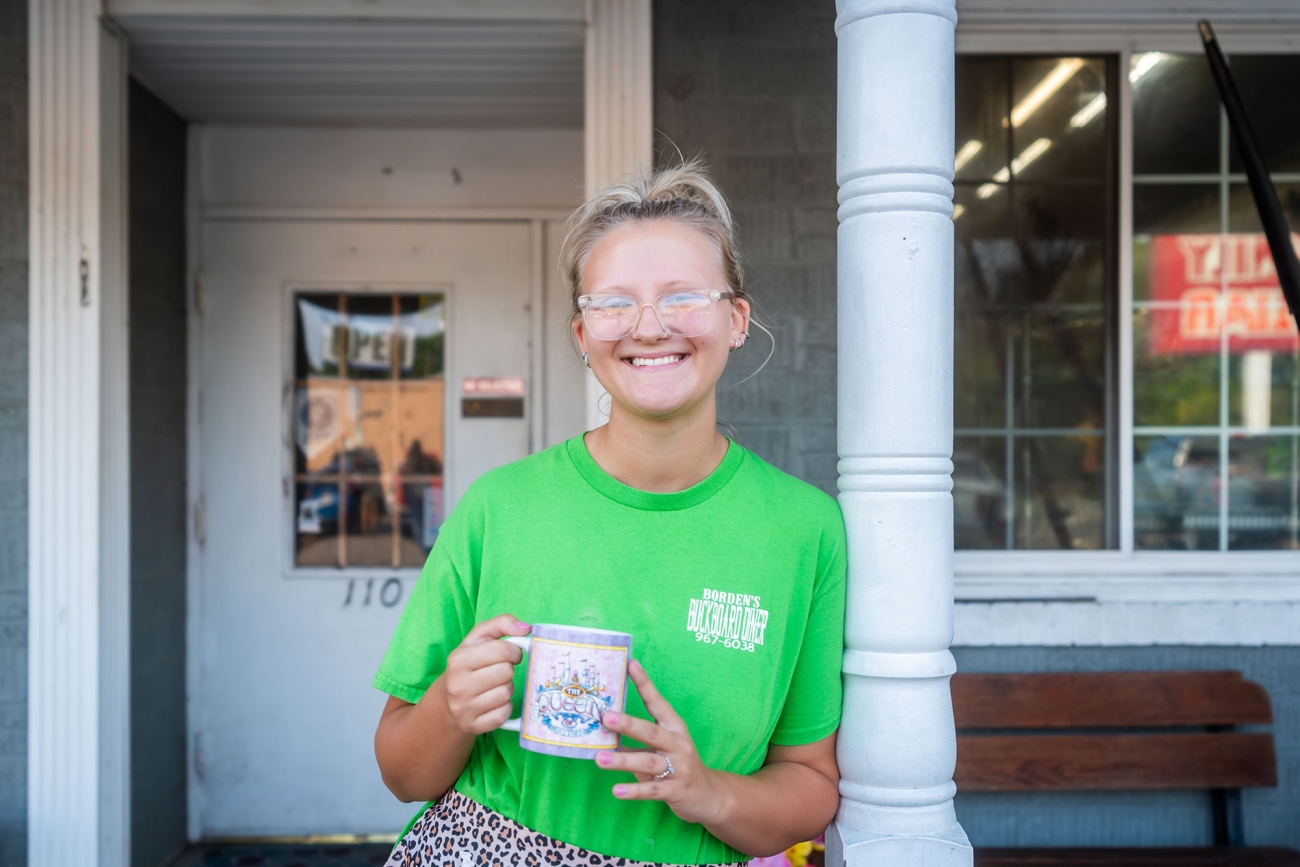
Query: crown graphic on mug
[575, 675]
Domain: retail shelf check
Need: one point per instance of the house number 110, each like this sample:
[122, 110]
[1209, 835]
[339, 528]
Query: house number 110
[390, 593]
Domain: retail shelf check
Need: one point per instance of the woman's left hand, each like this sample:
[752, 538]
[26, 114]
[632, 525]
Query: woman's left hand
[691, 790]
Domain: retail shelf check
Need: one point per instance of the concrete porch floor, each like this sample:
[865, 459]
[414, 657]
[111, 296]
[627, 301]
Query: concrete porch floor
[284, 855]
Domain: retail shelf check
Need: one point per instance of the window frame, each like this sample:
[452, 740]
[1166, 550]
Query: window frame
[290, 289]
[1093, 597]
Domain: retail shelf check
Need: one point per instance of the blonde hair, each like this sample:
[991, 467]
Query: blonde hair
[684, 193]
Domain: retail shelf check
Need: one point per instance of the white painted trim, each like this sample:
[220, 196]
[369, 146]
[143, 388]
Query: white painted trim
[415, 215]
[1102, 564]
[981, 36]
[427, 10]
[1108, 597]
[537, 378]
[78, 724]
[619, 110]
[1084, 622]
[1124, 306]
[194, 145]
[115, 459]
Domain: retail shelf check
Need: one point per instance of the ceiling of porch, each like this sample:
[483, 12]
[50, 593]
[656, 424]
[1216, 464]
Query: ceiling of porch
[376, 72]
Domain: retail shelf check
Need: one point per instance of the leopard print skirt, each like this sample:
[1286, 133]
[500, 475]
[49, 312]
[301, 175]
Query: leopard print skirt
[460, 832]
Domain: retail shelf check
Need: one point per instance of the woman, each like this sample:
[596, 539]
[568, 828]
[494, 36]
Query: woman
[626, 528]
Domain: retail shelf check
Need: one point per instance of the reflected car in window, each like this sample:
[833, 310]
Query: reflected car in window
[979, 500]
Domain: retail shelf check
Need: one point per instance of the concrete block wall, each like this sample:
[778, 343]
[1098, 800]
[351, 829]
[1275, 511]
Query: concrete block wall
[1272, 816]
[750, 86]
[13, 434]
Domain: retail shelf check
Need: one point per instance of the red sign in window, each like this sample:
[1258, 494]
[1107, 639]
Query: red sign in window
[1196, 271]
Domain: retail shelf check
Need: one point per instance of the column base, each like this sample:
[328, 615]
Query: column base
[846, 847]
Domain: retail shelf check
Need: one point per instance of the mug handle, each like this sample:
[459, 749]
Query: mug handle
[524, 643]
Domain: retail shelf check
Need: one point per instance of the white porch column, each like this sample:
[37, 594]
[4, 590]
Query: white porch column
[619, 106]
[78, 793]
[897, 745]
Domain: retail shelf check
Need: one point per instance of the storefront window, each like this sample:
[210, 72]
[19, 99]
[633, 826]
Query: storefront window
[1034, 451]
[367, 428]
[1216, 396]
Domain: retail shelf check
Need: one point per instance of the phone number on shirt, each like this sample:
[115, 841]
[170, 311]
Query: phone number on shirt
[733, 643]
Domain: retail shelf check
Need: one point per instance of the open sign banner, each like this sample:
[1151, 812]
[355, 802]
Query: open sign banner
[1195, 271]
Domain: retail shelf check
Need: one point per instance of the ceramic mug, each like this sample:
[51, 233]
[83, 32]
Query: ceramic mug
[575, 675]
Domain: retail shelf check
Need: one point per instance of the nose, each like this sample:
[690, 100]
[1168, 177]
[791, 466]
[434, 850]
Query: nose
[648, 328]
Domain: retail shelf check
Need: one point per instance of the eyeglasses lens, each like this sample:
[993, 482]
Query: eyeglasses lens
[613, 317]
[610, 317]
[686, 313]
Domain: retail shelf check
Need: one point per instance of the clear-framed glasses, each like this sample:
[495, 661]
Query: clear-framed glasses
[614, 317]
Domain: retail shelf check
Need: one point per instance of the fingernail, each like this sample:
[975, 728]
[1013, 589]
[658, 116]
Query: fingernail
[620, 791]
[519, 624]
[610, 718]
[635, 664]
[604, 760]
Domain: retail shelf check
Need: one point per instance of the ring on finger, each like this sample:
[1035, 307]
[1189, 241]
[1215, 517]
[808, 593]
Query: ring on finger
[668, 769]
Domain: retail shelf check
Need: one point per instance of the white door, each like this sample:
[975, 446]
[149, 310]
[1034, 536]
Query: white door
[333, 434]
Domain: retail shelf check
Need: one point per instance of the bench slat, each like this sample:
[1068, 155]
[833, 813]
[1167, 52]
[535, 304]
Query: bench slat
[1179, 857]
[1035, 763]
[1118, 699]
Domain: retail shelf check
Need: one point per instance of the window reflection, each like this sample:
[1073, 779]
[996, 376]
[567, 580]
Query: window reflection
[1035, 290]
[1267, 86]
[1215, 354]
[368, 428]
[1176, 491]
[1264, 492]
[1175, 114]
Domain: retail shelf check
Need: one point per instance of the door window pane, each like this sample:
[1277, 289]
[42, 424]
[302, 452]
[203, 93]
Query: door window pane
[368, 428]
[1035, 295]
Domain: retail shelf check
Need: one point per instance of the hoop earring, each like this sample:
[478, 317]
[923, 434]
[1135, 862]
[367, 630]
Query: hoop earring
[585, 361]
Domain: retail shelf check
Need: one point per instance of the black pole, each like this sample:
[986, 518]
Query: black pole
[1261, 186]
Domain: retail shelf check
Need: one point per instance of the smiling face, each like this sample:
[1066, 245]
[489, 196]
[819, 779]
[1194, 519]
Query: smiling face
[652, 374]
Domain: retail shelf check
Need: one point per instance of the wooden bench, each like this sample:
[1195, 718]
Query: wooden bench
[1118, 731]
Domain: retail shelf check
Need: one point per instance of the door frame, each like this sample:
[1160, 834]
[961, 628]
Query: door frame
[78, 483]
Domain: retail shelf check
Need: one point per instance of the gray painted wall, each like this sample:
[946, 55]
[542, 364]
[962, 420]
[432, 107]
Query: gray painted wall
[751, 87]
[158, 388]
[13, 434]
[1272, 816]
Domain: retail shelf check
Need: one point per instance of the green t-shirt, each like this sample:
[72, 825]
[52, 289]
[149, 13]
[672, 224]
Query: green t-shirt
[554, 539]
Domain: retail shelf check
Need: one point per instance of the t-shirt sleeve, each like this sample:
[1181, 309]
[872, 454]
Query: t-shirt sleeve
[438, 615]
[812, 705]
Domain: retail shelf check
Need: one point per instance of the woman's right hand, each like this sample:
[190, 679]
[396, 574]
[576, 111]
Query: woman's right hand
[479, 679]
